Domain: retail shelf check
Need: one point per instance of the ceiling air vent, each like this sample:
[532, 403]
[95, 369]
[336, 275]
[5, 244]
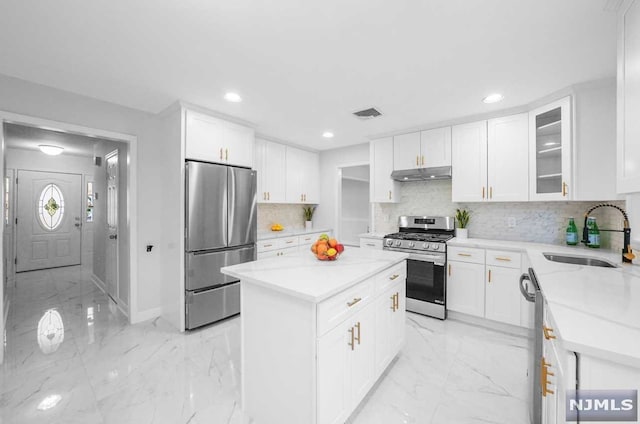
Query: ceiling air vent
[367, 113]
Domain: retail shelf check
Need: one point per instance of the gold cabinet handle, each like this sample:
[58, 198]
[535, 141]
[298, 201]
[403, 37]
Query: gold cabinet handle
[267, 245]
[417, 160]
[290, 241]
[393, 302]
[464, 254]
[547, 332]
[370, 244]
[394, 276]
[564, 189]
[354, 301]
[397, 305]
[268, 196]
[221, 153]
[423, 160]
[389, 194]
[501, 258]
[489, 276]
[482, 192]
[449, 270]
[358, 336]
[353, 342]
[544, 380]
[490, 192]
[226, 154]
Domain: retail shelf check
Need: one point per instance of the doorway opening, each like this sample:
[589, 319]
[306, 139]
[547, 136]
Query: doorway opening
[353, 207]
[62, 210]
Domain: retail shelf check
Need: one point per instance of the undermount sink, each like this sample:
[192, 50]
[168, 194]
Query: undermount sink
[578, 260]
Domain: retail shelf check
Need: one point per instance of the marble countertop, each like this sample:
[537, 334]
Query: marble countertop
[265, 235]
[303, 276]
[373, 235]
[596, 310]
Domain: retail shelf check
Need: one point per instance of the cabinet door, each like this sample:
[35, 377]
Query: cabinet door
[294, 174]
[382, 188]
[406, 151]
[628, 148]
[550, 151]
[465, 288]
[384, 310]
[508, 158]
[503, 295]
[259, 165]
[362, 360]
[334, 374]
[311, 177]
[398, 318]
[275, 172]
[435, 147]
[469, 162]
[216, 140]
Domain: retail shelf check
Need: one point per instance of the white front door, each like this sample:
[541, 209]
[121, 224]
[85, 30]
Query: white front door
[48, 220]
[112, 225]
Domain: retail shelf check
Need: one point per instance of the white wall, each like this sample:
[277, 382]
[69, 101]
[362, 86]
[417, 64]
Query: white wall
[330, 161]
[39, 101]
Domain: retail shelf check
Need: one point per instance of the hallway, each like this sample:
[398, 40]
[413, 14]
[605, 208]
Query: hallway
[99, 369]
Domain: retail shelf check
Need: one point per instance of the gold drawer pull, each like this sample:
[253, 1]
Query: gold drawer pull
[267, 245]
[394, 276]
[544, 381]
[547, 332]
[358, 336]
[290, 241]
[500, 258]
[354, 301]
[353, 342]
[464, 254]
[370, 244]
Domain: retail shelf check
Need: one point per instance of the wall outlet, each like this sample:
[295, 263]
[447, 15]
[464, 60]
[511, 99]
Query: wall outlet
[511, 222]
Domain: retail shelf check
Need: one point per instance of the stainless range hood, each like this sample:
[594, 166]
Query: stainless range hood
[423, 174]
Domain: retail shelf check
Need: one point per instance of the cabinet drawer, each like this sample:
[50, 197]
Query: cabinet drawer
[463, 254]
[503, 258]
[266, 245]
[308, 239]
[395, 274]
[370, 243]
[333, 311]
[286, 242]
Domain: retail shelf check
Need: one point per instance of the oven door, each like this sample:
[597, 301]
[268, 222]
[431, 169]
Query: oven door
[426, 278]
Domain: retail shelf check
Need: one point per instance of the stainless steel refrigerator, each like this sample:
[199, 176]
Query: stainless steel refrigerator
[220, 230]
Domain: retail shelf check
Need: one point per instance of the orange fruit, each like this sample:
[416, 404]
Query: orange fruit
[322, 249]
[333, 242]
[322, 256]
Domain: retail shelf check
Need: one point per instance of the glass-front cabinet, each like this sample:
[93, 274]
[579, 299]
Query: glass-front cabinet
[550, 151]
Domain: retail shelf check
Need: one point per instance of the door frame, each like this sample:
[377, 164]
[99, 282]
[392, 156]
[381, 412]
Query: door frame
[338, 191]
[109, 155]
[131, 215]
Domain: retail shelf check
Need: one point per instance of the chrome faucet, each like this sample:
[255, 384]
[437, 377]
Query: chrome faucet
[627, 253]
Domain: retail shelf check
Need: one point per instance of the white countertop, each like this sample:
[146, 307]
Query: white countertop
[264, 235]
[372, 235]
[596, 310]
[303, 276]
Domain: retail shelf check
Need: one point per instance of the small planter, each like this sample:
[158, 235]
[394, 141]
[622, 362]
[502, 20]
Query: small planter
[308, 225]
[462, 233]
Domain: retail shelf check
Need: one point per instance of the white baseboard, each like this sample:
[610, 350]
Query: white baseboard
[487, 323]
[98, 282]
[145, 315]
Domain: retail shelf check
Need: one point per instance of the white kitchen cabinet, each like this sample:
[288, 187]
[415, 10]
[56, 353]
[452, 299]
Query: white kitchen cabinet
[550, 146]
[216, 140]
[508, 158]
[334, 375]
[465, 288]
[302, 176]
[270, 163]
[269, 248]
[503, 295]
[435, 147]
[371, 243]
[469, 162]
[390, 325]
[382, 188]
[406, 151]
[362, 354]
[628, 132]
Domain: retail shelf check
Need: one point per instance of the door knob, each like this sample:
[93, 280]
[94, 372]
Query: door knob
[78, 224]
[113, 236]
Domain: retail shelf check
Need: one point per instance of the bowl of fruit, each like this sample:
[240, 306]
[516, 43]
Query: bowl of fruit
[277, 227]
[327, 248]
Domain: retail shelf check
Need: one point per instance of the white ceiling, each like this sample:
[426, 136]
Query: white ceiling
[303, 67]
[29, 138]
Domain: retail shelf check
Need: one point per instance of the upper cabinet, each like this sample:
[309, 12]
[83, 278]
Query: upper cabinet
[270, 165]
[469, 162]
[628, 126]
[302, 176]
[426, 149]
[216, 140]
[550, 151]
[490, 160]
[382, 188]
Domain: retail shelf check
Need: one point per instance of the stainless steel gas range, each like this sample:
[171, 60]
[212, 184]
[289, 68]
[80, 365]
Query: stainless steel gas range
[425, 239]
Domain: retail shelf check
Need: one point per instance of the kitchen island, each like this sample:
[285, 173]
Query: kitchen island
[316, 335]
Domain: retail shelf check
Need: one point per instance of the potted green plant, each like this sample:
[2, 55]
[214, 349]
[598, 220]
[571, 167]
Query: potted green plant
[308, 216]
[462, 220]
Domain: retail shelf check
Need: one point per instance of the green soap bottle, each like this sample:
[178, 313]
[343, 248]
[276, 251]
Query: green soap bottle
[572, 233]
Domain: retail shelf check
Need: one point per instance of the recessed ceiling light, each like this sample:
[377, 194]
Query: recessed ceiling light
[327, 134]
[50, 150]
[49, 402]
[233, 97]
[493, 98]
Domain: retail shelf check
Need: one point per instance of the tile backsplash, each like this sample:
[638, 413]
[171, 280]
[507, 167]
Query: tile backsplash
[543, 222]
[290, 216]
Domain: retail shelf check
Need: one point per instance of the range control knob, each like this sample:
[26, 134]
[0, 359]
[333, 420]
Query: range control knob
[412, 244]
[398, 242]
[425, 245]
[389, 242]
[435, 246]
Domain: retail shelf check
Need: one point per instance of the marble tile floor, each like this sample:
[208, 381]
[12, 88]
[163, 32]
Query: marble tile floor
[71, 357]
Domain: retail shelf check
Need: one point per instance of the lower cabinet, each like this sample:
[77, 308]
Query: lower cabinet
[465, 288]
[371, 243]
[390, 325]
[502, 295]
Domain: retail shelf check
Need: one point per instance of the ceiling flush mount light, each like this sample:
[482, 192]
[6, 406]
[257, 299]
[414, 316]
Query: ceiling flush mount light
[50, 150]
[232, 97]
[327, 134]
[493, 98]
[49, 402]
